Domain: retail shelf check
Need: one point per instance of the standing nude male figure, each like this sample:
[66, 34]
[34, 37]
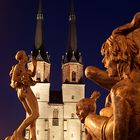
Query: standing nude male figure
[21, 80]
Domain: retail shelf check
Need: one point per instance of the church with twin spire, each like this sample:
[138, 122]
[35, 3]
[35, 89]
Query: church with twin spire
[57, 109]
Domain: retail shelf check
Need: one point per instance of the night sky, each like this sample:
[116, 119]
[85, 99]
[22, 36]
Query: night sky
[95, 21]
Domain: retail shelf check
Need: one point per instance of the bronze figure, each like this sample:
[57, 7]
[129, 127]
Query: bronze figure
[21, 80]
[120, 119]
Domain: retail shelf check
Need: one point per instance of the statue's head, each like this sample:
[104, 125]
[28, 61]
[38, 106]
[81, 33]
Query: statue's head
[86, 106]
[114, 52]
[21, 55]
[121, 51]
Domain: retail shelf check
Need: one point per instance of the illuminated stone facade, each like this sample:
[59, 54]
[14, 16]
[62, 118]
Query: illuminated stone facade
[57, 120]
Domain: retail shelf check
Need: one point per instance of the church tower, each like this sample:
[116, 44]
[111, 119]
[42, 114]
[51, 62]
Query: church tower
[72, 67]
[57, 109]
[73, 88]
[42, 77]
[42, 57]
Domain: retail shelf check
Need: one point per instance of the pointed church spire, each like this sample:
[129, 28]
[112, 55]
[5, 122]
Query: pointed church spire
[39, 34]
[72, 7]
[72, 38]
[39, 37]
[40, 8]
[72, 67]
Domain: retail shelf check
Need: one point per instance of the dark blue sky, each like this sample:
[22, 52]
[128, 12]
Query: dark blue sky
[95, 21]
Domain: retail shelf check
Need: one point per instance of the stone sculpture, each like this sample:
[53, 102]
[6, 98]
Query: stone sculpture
[120, 119]
[21, 80]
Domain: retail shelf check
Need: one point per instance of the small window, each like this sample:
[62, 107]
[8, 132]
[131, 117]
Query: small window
[72, 97]
[72, 135]
[55, 122]
[55, 113]
[65, 125]
[27, 134]
[72, 115]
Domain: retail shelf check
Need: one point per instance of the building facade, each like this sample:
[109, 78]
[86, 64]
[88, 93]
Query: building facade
[57, 109]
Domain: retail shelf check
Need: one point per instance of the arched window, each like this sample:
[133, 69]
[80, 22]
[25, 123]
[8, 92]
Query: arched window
[38, 95]
[72, 97]
[37, 132]
[38, 76]
[73, 76]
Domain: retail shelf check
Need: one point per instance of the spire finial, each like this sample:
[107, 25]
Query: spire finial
[39, 15]
[72, 13]
[72, 7]
[39, 27]
[40, 6]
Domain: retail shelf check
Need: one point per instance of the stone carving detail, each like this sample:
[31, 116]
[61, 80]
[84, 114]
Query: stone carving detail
[21, 80]
[120, 118]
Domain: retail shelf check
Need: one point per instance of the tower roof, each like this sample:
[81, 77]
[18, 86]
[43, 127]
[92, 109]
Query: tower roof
[72, 50]
[72, 36]
[39, 35]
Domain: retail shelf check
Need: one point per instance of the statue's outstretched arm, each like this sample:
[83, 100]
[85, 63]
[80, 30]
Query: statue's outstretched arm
[100, 77]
